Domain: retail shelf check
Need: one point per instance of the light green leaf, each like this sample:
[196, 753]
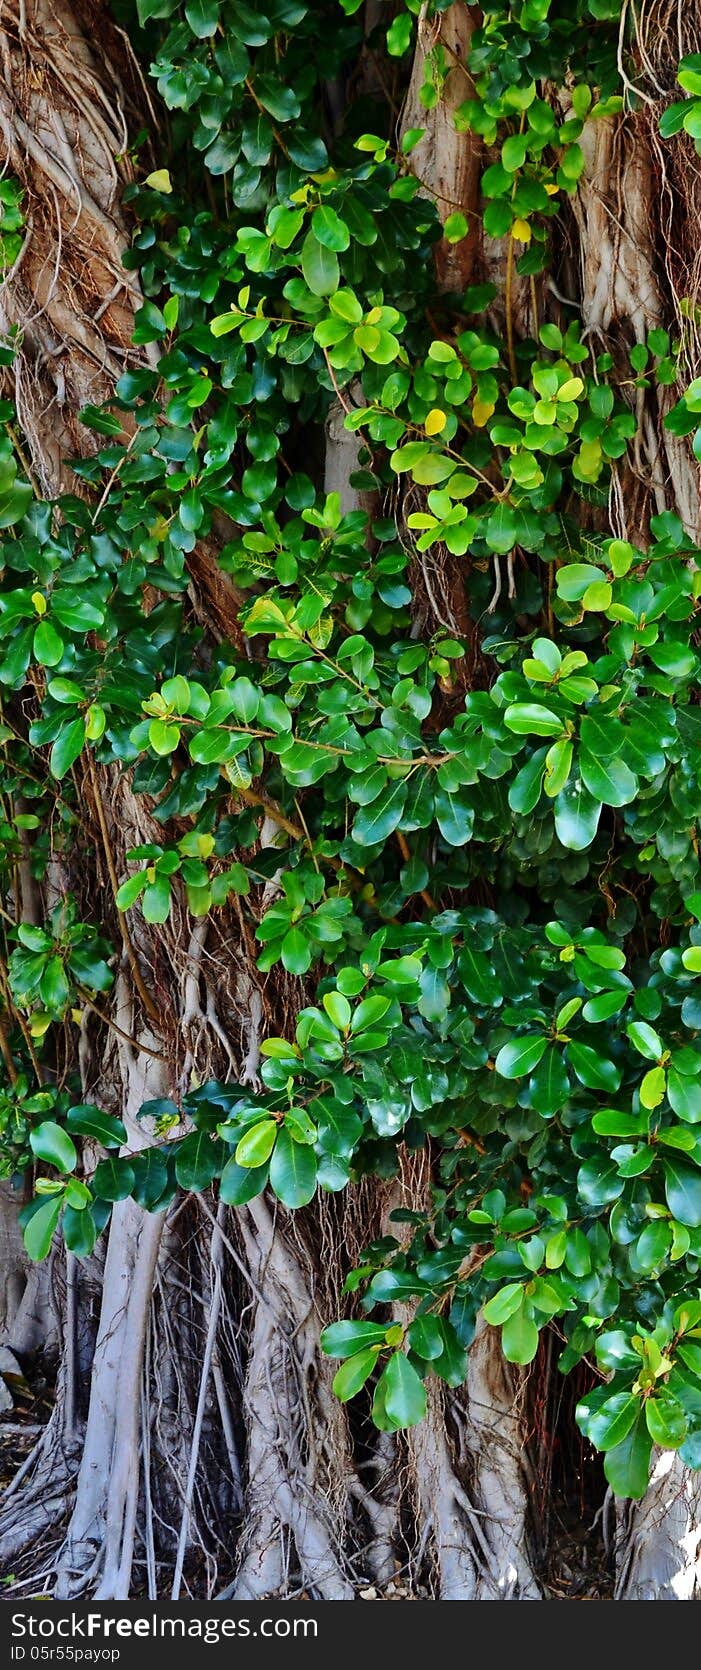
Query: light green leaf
[353, 1374]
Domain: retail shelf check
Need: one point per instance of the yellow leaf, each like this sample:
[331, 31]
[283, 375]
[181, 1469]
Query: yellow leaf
[652, 1089]
[435, 421]
[39, 1024]
[481, 412]
[552, 189]
[571, 390]
[159, 181]
[77, 1016]
[522, 231]
[39, 601]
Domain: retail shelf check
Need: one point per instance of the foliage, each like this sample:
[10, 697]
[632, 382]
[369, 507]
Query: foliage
[533, 1018]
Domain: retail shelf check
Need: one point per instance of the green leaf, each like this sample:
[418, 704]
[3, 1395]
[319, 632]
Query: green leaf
[513, 152]
[38, 1233]
[52, 1144]
[239, 1184]
[374, 823]
[645, 1040]
[292, 1171]
[598, 1183]
[504, 1304]
[519, 1338]
[338, 1009]
[558, 765]
[87, 1121]
[399, 35]
[368, 1013]
[577, 816]
[592, 1069]
[608, 780]
[257, 1143]
[95, 417]
[296, 952]
[684, 1096]
[426, 1337]
[64, 690]
[455, 228]
[67, 747]
[653, 1087]
[344, 1339]
[79, 1231]
[339, 1129]
[159, 180]
[404, 1391]
[48, 646]
[610, 1424]
[150, 1177]
[113, 1179]
[163, 738]
[666, 1421]
[203, 17]
[550, 1085]
[519, 1057]
[683, 1192]
[131, 890]
[455, 820]
[627, 1466]
[156, 900]
[320, 267]
[608, 1122]
[53, 986]
[525, 791]
[577, 1253]
[329, 230]
[280, 100]
[653, 1245]
[532, 719]
[196, 1161]
[353, 1374]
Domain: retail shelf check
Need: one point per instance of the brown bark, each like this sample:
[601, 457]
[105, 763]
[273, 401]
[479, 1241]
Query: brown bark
[67, 114]
[447, 163]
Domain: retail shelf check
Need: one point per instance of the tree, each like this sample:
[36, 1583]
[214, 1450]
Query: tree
[350, 903]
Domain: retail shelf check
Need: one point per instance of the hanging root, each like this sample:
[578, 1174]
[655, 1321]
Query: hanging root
[296, 1492]
[100, 1539]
